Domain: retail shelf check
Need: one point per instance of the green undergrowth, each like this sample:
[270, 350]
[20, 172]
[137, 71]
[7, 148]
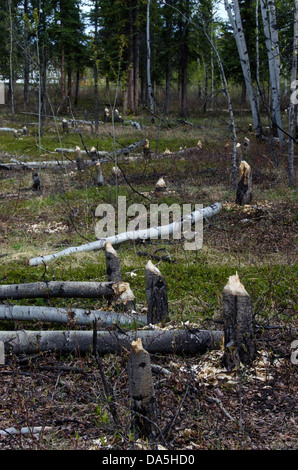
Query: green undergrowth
[195, 285]
[64, 215]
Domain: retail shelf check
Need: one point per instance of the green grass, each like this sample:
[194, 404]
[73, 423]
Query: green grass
[195, 280]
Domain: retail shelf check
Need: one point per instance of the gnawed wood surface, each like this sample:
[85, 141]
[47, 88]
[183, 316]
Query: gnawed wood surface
[239, 339]
[156, 294]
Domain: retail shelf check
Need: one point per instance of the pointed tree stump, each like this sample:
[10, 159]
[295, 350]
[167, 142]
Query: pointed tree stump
[113, 264]
[239, 339]
[141, 389]
[79, 159]
[244, 187]
[156, 294]
[99, 175]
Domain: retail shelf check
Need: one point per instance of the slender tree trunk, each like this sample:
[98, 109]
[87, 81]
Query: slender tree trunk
[62, 73]
[149, 84]
[245, 63]
[168, 86]
[206, 89]
[257, 55]
[136, 67]
[273, 62]
[293, 101]
[26, 46]
[69, 82]
[76, 97]
[231, 113]
[11, 79]
[95, 69]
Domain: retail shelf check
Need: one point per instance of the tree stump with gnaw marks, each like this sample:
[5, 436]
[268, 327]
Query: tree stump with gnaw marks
[113, 264]
[244, 187]
[141, 389]
[156, 294]
[239, 341]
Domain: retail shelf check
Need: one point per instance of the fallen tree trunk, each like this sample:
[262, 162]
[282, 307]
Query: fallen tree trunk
[78, 316]
[100, 153]
[154, 233]
[124, 151]
[67, 289]
[174, 341]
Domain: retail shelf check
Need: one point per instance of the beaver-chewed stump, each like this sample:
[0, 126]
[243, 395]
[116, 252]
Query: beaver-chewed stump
[141, 388]
[239, 340]
[156, 294]
[244, 187]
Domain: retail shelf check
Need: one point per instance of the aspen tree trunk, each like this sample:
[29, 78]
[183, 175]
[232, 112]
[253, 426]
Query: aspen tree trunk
[156, 294]
[113, 264]
[293, 101]
[239, 340]
[273, 62]
[244, 60]
[141, 389]
[244, 187]
[231, 113]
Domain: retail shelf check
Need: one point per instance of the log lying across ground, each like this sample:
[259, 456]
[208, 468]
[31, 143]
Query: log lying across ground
[20, 165]
[153, 232]
[175, 341]
[67, 289]
[78, 316]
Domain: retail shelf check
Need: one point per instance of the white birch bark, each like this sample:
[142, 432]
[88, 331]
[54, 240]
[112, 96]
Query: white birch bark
[153, 232]
[274, 39]
[293, 100]
[236, 24]
[77, 316]
[273, 62]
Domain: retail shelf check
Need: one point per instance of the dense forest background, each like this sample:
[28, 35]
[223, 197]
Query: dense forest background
[62, 47]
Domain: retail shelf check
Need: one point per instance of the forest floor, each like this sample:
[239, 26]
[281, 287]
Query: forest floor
[200, 405]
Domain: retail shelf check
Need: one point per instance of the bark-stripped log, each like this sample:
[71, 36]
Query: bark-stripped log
[78, 316]
[156, 294]
[239, 339]
[190, 342]
[153, 232]
[67, 289]
[141, 390]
